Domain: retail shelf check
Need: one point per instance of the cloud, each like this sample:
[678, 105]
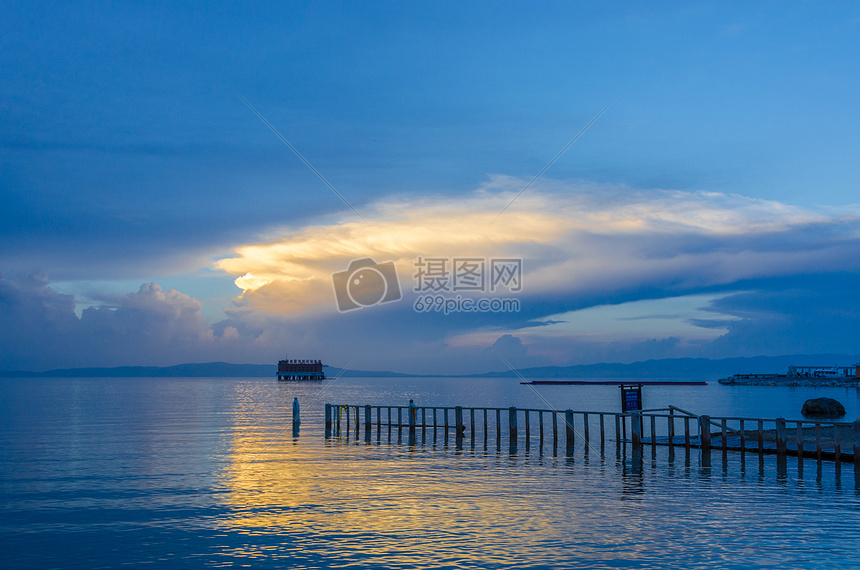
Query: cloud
[575, 239]
[610, 273]
[150, 326]
[812, 314]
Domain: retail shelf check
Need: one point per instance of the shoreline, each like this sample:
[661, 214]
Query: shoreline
[786, 381]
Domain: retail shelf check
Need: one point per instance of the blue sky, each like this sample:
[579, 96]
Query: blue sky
[712, 210]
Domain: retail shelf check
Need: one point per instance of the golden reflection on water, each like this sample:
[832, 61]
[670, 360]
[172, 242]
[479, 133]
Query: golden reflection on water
[394, 498]
[387, 502]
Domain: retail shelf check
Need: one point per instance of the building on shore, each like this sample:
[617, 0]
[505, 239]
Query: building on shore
[801, 376]
[824, 371]
[298, 369]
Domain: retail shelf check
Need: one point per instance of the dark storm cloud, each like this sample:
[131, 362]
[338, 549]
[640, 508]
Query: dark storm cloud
[813, 314]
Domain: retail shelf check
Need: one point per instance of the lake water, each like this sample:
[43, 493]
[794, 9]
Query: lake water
[180, 472]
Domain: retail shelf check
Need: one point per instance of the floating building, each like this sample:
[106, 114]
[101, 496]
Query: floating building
[297, 369]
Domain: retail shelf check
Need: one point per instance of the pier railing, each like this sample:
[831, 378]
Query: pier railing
[671, 426]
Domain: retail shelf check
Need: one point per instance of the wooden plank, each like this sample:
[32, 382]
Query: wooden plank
[512, 423]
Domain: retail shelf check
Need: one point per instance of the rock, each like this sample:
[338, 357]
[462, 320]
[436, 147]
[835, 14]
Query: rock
[822, 408]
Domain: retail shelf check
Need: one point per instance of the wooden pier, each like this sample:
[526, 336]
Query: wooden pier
[672, 426]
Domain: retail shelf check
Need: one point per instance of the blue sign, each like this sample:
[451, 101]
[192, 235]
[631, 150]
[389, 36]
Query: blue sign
[631, 398]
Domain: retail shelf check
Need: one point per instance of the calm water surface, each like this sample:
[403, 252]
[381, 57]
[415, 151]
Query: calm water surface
[201, 472]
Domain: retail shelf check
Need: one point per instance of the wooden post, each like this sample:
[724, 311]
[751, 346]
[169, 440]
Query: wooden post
[760, 437]
[512, 423]
[723, 433]
[554, 429]
[857, 449]
[670, 424]
[346, 409]
[636, 428]
[837, 446]
[618, 436]
[434, 418]
[446, 420]
[743, 436]
[399, 417]
[540, 427]
[687, 432]
[528, 427]
[601, 432]
[368, 420]
[705, 432]
[498, 426]
[357, 424]
[653, 431]
[328, 416]
[378, 419]
[472, 425]
[485, 428]
[297, 415]
[800, 443]
[458, 421]
[423, 418]
[585, 429]
[389, 418]
[568, 424]
[780, 437]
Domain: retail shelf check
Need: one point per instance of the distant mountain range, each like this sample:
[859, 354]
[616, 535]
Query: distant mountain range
[677, 368]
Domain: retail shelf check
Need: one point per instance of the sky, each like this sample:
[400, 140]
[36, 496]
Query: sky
[195, 182]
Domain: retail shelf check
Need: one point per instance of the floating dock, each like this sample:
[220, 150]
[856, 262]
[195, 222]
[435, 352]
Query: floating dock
[297, 369]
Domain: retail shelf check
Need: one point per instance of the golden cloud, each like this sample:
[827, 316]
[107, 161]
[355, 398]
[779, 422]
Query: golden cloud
[290, 271]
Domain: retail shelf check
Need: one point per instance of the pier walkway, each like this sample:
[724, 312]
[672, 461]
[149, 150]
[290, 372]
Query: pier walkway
[820, 440]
